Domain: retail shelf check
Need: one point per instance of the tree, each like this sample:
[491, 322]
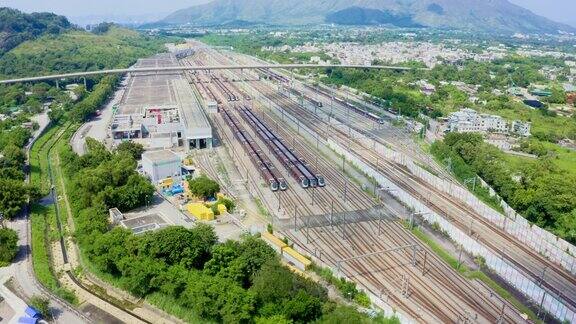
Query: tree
[275, 283]
[222, 256]
[42, 305]
[303, 308]
[204, 187]
[558, 96]
[13, 196]
[108, 249]
[275, 319]
[254, 253]
[172, 282]
[344, 314]
[134, 149]
[218, 299]
[13, 156]
[139, 274]
[179, 245]
[8, 246]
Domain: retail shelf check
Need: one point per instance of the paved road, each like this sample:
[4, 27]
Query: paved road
[97, 127]
[21, 269]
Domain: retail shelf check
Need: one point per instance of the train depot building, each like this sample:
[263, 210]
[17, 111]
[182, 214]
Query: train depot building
[160, 110]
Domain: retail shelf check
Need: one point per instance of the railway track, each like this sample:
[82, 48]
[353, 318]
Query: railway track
[437, 299]
[360, 200]
[446, 276]
[522, 257]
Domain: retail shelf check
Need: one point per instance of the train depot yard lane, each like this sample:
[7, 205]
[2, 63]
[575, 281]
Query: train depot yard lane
[276, 130]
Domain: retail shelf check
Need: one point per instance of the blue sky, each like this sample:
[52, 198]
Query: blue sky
[559, 10]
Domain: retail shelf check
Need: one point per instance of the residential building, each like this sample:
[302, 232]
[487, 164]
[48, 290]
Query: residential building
[469, 121]
[521, 128]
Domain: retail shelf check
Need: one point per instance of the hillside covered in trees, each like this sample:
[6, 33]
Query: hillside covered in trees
[78, 50]
[17, 27]
[539, 190]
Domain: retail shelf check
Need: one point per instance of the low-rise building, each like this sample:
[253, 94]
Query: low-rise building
[468, 120]
[521, 128]
[160, 165]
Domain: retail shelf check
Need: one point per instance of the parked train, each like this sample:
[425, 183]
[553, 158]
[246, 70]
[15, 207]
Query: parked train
[297, 167]
[345, 103]
[306, 97]
[273, 75]
[267, 170]
[361, 111]
[231, 96]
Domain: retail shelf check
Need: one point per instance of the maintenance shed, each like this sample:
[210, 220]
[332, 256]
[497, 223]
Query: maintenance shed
[159, 165]
[160, 110]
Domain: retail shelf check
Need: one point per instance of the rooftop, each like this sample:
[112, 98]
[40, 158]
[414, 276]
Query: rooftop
[194, 118]
[161, 156]
[148, 89]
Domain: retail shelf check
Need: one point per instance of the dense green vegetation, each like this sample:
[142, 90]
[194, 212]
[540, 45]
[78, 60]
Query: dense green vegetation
[540, 191]
[8, 246]
[15, 193]
[134, 149]
[103, 180]
[231, 282]
[252, 44]
[43, 218]
[204, 187]
[42, 305]
[78, 51]
[17, 27]
[87, 107]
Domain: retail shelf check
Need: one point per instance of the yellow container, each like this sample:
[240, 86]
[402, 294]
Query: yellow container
[276, 243]
[222, 209]
[297, 259]
[200, 211]
[166, 183]
[187, 162]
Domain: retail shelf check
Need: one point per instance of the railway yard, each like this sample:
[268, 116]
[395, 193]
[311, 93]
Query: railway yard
[276, 130]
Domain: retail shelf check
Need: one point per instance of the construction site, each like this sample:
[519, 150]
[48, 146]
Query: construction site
[332, 174]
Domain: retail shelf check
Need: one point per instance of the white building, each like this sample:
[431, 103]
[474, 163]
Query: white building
[468, 120]
[159, 165]
[520, 128]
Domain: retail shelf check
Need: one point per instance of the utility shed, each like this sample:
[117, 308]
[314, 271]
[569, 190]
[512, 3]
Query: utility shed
[159, 165]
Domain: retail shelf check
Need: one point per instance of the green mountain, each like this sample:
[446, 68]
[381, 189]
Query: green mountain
[78, 50]
[476, 15]
[17, 27]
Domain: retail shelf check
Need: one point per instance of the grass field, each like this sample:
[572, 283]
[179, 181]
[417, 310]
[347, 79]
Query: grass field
[43, 218]
[564, 159]
[170, 305]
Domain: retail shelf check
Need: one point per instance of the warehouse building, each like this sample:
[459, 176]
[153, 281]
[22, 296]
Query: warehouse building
[160, 165]
[160, 110]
